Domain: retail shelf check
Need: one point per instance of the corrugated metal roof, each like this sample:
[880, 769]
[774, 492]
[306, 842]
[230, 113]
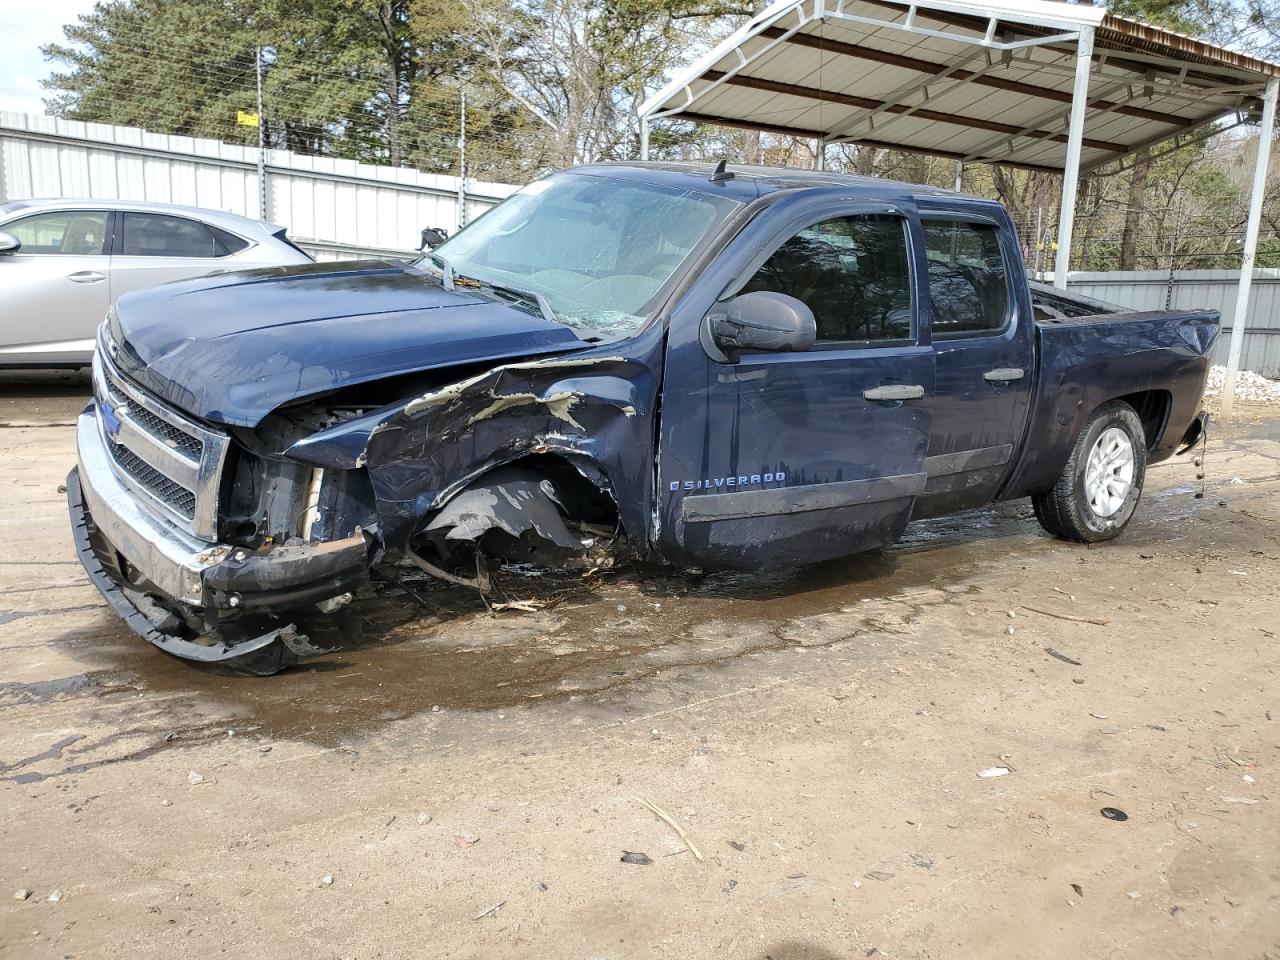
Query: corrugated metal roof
[982, 82]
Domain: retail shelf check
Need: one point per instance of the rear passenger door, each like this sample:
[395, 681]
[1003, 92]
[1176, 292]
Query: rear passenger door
[983, 364]
[155, 248]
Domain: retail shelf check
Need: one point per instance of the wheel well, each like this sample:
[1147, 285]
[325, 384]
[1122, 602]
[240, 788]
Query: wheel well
[539, 508]
[1152, 407]
[583, 488]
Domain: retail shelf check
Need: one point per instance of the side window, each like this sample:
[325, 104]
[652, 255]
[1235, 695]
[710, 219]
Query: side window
[852, 272]
[160, 235]
[72, 232]
[226, 243]
[968, 282]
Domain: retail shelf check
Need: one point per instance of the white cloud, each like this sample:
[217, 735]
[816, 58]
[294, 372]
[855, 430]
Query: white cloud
[22, 67]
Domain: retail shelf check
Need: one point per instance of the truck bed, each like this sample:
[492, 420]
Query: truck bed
[1050, 303]
[1088, 352]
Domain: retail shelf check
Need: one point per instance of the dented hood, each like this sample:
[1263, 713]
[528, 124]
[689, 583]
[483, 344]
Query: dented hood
[233, 347]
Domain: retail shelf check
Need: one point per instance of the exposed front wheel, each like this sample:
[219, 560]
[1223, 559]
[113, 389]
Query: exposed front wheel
[1099, 488]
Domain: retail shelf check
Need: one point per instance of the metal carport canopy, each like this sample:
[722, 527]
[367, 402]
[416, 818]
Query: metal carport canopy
[1036, 84]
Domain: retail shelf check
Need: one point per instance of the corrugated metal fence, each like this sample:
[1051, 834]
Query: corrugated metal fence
[333, 207]
[1200, 289]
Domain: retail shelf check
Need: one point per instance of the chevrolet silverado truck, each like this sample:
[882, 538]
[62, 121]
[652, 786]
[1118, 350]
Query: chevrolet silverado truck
[741, 368]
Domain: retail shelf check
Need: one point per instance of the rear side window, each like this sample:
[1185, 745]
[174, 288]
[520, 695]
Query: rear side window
[852, 272]
[161, 235]
[71, 232]
[968, 282]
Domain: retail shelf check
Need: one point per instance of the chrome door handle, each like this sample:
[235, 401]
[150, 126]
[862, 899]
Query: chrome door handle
[1003, 374]
[895, 391]
[87, 276]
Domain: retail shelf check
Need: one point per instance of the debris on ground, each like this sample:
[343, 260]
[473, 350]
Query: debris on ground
[923, 862]
[195, 779]
[990, 772]
[488, 910]
[21, 894]
[728, 887]
[1250, 386]
[327, 880]
[524, 606]
[736, 845]
[1115, 813]
[669, 821]
[466, 839]
[54, 897]
[641, 859]
[1062, 656]
[1096, 621]
[878, 875]
[1078, 889]
[1248, 800]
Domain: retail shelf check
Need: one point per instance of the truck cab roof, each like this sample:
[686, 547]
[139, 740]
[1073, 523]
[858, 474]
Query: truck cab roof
[751, 182]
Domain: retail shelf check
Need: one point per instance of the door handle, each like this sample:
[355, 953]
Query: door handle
[86, 276]
[1003, 374]
[895, 391]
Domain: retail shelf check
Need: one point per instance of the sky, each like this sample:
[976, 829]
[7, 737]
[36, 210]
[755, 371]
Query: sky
[27, 25]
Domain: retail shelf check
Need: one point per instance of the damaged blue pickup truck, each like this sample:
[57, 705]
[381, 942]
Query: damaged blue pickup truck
[748, 368]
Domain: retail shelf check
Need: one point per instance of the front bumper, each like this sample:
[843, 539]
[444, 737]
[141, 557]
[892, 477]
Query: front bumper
[205, 581]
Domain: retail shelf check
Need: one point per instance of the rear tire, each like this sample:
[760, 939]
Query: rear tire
[1099, 488]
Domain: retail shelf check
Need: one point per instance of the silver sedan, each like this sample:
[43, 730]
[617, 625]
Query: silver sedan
[63, 262]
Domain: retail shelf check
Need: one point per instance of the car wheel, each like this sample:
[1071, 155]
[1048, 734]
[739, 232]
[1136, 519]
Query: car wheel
[1099, 488]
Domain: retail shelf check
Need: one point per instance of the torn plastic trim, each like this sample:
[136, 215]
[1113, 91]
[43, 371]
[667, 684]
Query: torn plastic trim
[554, 445]
[514, 500]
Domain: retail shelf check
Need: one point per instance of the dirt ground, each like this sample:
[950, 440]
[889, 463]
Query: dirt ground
[452, 784]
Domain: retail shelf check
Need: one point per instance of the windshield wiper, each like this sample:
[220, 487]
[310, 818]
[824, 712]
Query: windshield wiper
[515, 295]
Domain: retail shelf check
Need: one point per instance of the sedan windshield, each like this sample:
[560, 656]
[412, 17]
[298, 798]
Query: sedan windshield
[598, 249]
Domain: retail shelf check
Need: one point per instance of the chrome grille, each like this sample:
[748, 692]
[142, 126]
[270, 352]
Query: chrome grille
[174, 494]
[173, 463]
[172, 436]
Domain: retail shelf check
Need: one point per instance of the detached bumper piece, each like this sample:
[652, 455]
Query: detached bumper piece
[202, 602]
[1195, 433]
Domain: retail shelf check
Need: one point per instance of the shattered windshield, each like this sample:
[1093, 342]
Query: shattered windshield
[597, 249]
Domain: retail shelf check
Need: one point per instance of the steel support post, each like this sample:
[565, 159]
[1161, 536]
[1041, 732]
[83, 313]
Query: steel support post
[1071, 171]
[1241, 314]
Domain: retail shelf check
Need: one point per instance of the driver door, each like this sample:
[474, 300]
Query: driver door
[782, 459]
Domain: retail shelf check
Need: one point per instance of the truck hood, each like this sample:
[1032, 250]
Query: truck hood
[231, 348]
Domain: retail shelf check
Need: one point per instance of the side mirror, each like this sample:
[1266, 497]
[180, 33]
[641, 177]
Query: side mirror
[432, 237]
[9, 243]
[763, 321]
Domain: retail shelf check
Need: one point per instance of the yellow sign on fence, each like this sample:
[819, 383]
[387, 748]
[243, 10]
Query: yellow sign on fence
[246, 119]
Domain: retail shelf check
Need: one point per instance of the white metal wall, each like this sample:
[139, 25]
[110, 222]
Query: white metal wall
[1200, 289]
[338, 202]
